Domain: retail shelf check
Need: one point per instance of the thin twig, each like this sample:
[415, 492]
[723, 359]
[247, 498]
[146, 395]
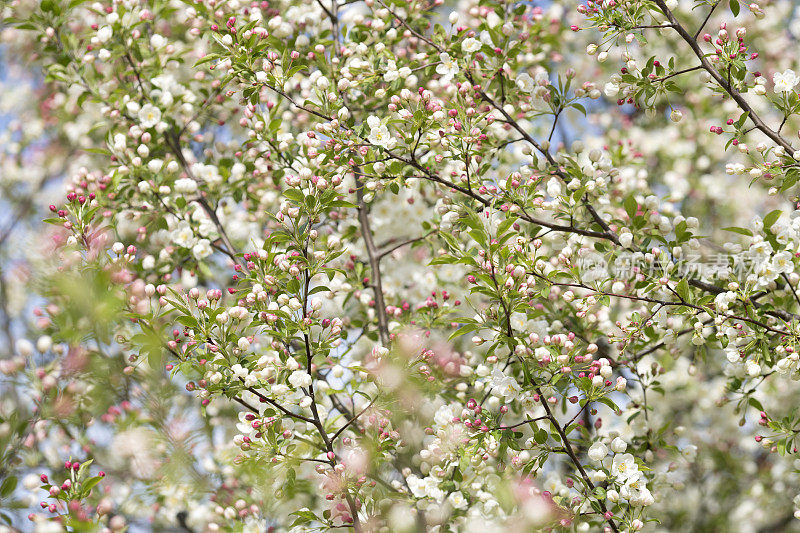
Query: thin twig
[374, 260]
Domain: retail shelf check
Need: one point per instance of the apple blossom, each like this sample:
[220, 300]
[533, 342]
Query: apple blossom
[314, 266]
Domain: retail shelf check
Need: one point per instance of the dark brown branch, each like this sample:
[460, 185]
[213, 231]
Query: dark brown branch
[403, 243]
[705, 21]
[727, 86]
[571, 454]
[352, 420]
[374, 260]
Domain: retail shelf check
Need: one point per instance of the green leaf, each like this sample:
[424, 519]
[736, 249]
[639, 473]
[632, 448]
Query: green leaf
[683, 289]
[734, 8]
[342, 203]
[206, 59]
[188, 321]
[84, 467]
[607, 401]
[680, 231]
[8, 486]
[740, 231]
[791, 179]
[504, 225]
[90, 483]
[755, 403]
[463, 330]
[99, 151]
[771, 218]
[304, 516]
[631, 206]
[49, 6]
[294, 195]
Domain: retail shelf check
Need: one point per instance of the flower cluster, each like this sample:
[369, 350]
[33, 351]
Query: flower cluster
[322, 265]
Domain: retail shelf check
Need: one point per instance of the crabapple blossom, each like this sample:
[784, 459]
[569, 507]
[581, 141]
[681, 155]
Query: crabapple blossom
[449, 266]
[785, 81]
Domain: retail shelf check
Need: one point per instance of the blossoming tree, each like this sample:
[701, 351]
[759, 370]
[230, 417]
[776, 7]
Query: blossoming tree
[399, 266]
